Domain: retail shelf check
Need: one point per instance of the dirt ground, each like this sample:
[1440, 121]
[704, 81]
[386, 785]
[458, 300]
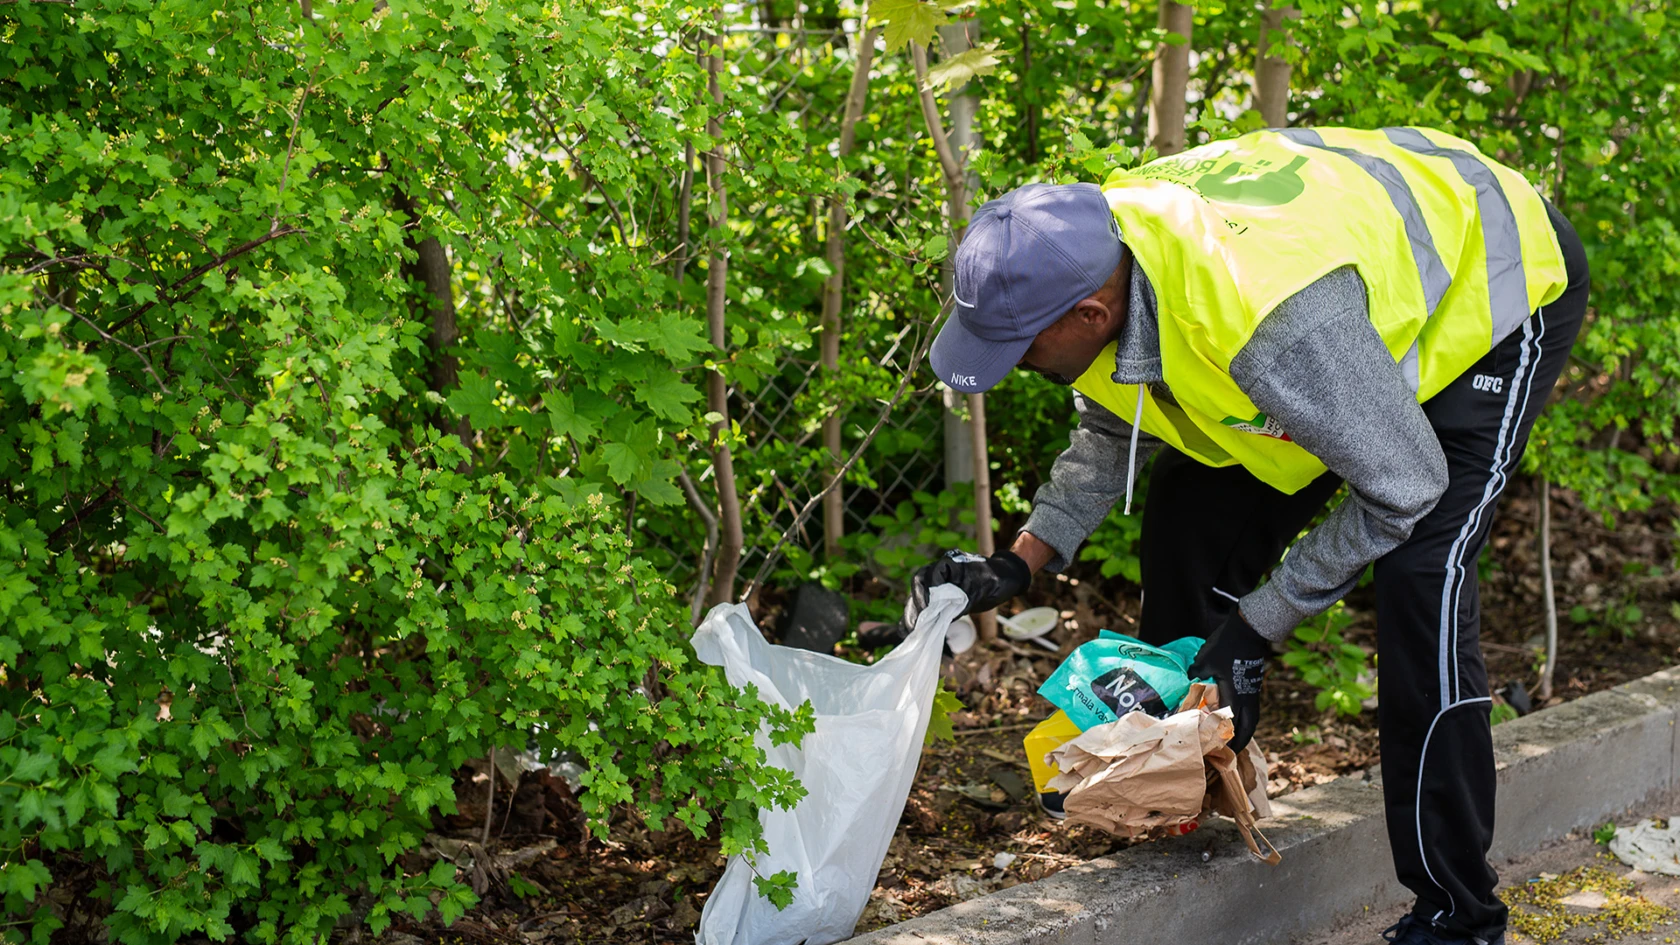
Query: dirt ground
[972, 799]
[1640, 908]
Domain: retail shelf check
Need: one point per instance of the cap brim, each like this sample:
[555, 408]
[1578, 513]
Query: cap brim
[965, 362]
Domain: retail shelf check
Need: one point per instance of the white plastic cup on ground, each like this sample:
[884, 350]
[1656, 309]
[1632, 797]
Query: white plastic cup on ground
[961, 635]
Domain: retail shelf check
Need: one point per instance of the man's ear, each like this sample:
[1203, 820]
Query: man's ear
[1094, 312]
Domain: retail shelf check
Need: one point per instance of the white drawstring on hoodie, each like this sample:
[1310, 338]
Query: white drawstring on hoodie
[1131, 454]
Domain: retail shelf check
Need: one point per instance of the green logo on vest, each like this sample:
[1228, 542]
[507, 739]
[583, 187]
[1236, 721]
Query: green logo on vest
[1252, 185]
[1259, 423]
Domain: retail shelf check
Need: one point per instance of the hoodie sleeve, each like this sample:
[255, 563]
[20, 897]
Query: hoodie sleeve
[1318, 367]
[1087, 479]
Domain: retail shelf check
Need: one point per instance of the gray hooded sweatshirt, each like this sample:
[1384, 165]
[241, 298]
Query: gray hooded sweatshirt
[1316, 367]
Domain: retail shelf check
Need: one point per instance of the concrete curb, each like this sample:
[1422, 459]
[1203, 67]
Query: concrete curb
[1560, 769]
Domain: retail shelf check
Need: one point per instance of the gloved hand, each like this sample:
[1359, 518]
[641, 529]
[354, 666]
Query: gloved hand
[988, 582]
[1235, 657]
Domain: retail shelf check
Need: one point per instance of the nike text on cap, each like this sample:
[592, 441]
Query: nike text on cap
[1027, 259]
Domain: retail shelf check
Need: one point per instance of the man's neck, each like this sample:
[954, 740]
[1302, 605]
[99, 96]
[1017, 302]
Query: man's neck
[1123, 302]
[1137, 356]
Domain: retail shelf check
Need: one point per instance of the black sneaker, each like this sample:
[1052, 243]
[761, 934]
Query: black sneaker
[1411, 930]
[1051, 803]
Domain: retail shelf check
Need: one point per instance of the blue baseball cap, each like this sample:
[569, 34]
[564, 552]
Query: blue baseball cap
[1027, 259]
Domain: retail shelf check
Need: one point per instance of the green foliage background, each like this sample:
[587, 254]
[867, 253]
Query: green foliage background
[266, 582]
[259, 599]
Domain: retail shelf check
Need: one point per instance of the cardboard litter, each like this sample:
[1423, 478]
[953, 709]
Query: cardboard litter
[1141, 776]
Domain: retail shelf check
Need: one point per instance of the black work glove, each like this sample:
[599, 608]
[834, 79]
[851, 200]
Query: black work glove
[1235, 657]
[988, 582]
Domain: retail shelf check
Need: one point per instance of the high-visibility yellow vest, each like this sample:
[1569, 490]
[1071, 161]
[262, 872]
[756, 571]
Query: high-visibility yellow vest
[1455, 251]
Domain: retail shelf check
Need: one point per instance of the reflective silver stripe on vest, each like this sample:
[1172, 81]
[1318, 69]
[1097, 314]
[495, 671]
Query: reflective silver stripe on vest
[1409, 367]
[1431, 272]
[1507, 284]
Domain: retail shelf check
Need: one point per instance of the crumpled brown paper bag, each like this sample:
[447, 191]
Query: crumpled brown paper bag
[1139, 775]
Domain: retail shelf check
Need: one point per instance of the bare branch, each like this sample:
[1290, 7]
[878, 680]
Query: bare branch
[717, 391]
[162, 341]
[75, 519]
[930, 114]
[286, 169]
[685, 205]
[216, 263]
[834, 521]
[1549, 670]
[142, 513]
[697, 601]
[589, 179]
[76, 264]
[770, 559]
[115, 340]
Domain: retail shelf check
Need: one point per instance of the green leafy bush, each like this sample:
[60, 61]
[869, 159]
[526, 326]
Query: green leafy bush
[269, 572]
[1115, 543]
[940, 728]
[921, 526]
[1330, 664]
[1618, 619]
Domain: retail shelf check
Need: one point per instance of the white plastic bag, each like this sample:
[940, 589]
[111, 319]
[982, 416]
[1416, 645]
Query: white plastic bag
[1647, 847]
[856, 766]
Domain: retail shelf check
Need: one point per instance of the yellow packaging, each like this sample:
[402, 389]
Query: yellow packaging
[1047, 736]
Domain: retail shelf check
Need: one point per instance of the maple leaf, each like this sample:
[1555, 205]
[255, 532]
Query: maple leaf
[578, 416]
[678, 338]
[667, 395]
[476, 400]
[939, 727]
[622, 461]
[778, 888]
[954, 73]
[907, 20]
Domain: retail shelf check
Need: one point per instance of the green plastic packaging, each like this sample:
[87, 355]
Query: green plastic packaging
[1115, 674]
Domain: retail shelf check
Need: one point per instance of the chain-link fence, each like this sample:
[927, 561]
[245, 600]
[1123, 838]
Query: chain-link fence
[780, 462]
[906, 456]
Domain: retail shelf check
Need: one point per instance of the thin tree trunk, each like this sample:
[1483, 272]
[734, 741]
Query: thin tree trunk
[958, 437]
[1171, 80]
[1140, 108]
[950, 167]
[1562, 89]
[697, 600]
[963, 109]
[1550, 669]
[1030, 107]
[717, 393]
[834, 522]
[953, 163]
[431, 268]
[1271, 73]
[708, 552]
[434, 271]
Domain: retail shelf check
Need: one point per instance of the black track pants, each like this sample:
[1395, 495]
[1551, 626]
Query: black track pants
[1198, 556]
